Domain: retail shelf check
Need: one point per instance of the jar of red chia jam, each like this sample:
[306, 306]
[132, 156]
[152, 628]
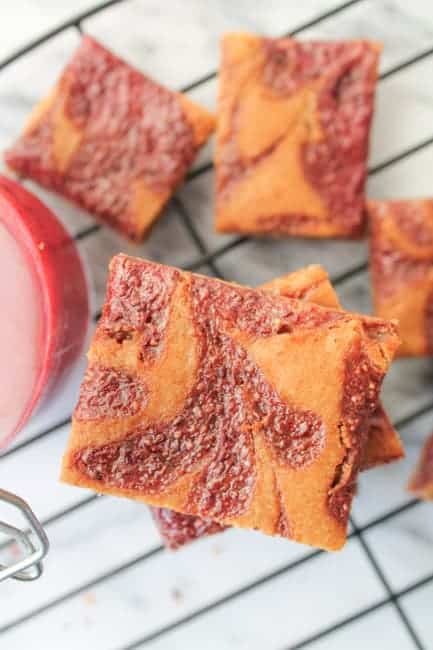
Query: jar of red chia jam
[44, 306]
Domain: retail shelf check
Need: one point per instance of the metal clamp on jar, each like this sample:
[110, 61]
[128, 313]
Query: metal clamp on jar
[29, 544]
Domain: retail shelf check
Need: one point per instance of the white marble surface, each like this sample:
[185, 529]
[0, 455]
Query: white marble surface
[239, 590]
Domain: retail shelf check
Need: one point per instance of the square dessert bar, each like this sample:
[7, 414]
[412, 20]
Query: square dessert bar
[112, 140]
[199, 398]
[383, 443]
[421, 482]
[292, 137]
[401, 265]
[312, 284]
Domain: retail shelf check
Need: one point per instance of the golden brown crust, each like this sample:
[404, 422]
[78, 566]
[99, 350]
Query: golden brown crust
[312, 284]
[383, 444]
[401, 263]
[283, 166]
[120, 152]
[421, 482]
[235, 469]
[201, 121]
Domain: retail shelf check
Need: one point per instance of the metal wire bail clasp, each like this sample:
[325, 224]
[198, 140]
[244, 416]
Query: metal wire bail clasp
[32, 541]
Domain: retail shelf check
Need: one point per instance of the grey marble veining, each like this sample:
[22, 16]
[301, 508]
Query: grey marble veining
[418, 606]
[369, 632]
[25, 20]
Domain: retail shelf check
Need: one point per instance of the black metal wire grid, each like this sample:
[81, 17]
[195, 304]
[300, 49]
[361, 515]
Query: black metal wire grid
[210, 258]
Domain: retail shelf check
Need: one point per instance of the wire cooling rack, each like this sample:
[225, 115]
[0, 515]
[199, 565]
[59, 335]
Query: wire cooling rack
[208, 257]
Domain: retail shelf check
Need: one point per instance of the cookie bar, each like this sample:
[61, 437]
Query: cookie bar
[421, 482]
[401, 265]
[383, 443]
[198, 398]
[292, 137]
[312, 284]
[112, 140]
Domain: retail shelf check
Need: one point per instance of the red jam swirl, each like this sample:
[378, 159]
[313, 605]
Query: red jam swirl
[131, 128]
[178, 529]
[257, 314]
[336, 165]
[393, 270]
[138, 300]
[410, 217]
[108, 393]
[361, 390]
[231, 398]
